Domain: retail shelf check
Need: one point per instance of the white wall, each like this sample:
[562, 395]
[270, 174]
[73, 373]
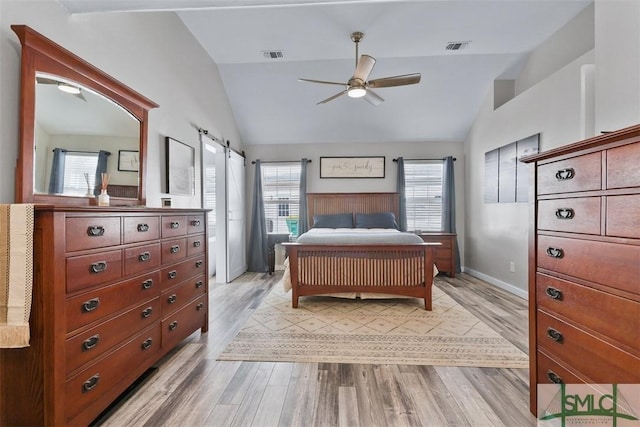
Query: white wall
[436, 150]
[498, 233]
[153, 53]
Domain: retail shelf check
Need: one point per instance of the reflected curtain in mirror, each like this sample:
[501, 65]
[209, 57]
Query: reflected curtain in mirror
[56, 180]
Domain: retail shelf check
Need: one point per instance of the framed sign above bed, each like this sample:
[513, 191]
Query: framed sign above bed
[352, 167]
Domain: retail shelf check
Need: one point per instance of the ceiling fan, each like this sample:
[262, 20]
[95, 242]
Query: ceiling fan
[63, 86]
[358, 86]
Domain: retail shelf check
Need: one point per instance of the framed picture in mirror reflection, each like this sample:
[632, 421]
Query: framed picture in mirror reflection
[128, 161]
[180, 163]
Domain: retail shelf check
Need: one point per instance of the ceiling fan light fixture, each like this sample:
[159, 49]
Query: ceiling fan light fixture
[356, 92]
[67, 88]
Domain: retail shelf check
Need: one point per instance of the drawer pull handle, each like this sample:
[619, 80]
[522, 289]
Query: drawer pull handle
[565, 213]
[147, 284]
[144, 256]
[90, 305]
[172, 274]
[565, 174]
[146, 344]
[199, 264]
[195, 222]
[555, 252]
[95, 230]
[554, 378]
[91, 383]
[554, 335]
[175, 249]
[172, 299]
[147, 312]
[199, 284]
[196, 244]
[553, 293]
[98, 267]
[90, 342]
[175, 225]
[173, 325]
[200, 306]
[143, 228]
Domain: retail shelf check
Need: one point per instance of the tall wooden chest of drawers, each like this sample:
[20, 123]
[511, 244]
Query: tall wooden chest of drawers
[584, 263]
[114, 290]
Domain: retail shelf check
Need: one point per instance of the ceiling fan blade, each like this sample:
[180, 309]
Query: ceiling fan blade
[373, 98]
[406, 79]
[364, 67]
[331, 98]
[323, 82]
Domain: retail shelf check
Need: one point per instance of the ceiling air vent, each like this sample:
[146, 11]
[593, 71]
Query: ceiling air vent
[457, 45]
[273, 54]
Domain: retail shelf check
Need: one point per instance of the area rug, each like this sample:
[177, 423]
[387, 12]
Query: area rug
[372, 331]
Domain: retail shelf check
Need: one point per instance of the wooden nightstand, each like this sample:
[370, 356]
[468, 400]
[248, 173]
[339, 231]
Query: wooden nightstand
[443, 255]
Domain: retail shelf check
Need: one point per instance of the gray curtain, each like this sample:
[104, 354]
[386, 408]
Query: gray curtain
[449, 204]
[400, 188]
[303, 222]
[257, 259]
[103, 156]
[56, 180]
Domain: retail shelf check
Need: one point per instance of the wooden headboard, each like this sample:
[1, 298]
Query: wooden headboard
[335, 203]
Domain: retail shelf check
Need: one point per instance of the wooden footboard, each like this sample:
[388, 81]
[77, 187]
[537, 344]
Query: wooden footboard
[405, 269]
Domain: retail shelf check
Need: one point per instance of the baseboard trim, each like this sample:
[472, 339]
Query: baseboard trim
[498, 283]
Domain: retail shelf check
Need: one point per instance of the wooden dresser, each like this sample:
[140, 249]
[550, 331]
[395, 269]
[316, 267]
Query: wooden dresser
[114, 290]
[444, 255]
[584, 262]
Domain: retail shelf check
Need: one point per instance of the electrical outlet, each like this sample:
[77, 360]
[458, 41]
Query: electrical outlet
[512, 266]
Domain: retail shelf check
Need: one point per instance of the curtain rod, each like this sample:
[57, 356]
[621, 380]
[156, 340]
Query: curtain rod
[395, 160]
[253, 162]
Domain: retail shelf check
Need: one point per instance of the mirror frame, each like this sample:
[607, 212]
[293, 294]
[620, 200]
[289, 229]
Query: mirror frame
[39, 54]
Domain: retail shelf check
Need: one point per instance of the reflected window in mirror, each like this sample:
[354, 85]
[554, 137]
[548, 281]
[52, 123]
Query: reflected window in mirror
[76, 130]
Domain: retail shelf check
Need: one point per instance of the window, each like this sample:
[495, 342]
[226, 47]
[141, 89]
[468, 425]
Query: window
[80, 173]
[423, 186]
[281, 197]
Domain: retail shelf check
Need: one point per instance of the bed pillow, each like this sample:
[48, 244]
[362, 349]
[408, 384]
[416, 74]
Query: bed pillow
[376, 220]
[333, 221]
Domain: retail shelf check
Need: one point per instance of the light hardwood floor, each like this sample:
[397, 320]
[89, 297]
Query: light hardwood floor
[192, 389]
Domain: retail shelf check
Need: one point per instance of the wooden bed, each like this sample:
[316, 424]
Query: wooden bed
[395, 269]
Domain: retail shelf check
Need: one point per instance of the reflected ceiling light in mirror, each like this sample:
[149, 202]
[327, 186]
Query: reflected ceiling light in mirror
[67, 88]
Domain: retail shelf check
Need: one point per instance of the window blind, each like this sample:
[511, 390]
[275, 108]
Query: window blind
[281, 196]
[76, 165]
[423, 186]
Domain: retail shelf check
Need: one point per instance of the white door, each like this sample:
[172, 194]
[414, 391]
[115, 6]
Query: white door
[236, 250]
[213, 167]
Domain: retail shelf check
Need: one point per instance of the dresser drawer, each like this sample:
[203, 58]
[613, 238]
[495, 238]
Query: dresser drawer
[623, 216]
[611, 264]
[141, 228]
[180, 272]
[195, 224]
[85, 271]
[92, 386]
[141, 258]
[596, 359]
[617, 318]
[574, 215]
[551, 372]
[91, 232]
[581, 173]
[173, 226]
[622, 166]
[196, 244]
[184, 322]
[91, 306]
[178, 296]
[88, 345]
[174, 250]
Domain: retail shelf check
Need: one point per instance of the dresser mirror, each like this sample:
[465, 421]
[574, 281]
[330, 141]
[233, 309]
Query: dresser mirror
[75, 123]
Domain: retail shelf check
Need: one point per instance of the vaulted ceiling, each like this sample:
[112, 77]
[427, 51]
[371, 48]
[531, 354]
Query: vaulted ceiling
[271, 105]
